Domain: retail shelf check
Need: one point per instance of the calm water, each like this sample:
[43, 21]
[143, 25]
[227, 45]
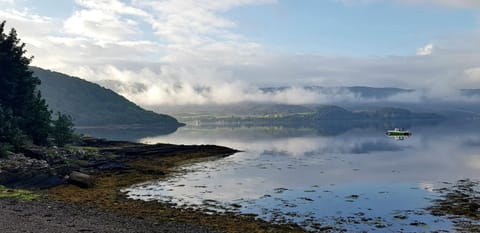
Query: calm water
[357, 180]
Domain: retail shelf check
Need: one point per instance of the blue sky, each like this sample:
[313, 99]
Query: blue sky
[331, 28]
[326, 27]
[234, 46]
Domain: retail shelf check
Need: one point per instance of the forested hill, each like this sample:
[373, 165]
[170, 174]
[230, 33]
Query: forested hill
[92, 105]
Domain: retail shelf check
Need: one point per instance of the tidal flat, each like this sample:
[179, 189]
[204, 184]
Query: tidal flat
[285, 180]
[358, 180]
[107, 195]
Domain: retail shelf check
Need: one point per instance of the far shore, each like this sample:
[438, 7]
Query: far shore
[129, 126]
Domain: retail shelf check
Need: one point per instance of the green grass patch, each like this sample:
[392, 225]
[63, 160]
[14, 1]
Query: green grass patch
[21, 194]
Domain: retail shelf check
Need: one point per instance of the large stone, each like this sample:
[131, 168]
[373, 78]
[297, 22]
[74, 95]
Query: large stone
[81, 179]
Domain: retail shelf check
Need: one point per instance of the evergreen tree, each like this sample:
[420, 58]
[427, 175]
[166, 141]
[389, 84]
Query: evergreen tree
[5, 126]
[22, 104]
[62, 130]
[6, 132]
[11, 137]
[37, 121]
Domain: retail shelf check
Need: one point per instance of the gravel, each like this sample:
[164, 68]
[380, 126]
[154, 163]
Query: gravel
[45, 215]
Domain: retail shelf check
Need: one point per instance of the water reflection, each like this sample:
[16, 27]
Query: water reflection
[399, 138]
[358, 180]
[127, 132]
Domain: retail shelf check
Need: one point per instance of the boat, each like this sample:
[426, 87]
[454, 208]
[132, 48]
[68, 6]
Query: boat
[398, 132]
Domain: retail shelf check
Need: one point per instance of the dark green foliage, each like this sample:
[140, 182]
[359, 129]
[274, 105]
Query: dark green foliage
[11, 137]
[24, 114]
[62, 130]
[6, 125]
[6, 132]
[4, 148]
[92, 105]
[37, 121]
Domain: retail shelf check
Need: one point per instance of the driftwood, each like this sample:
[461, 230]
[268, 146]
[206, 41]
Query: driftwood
[81, 179]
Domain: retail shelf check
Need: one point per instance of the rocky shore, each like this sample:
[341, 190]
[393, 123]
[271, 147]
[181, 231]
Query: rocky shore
[66, 206]
[41, 167]
[57, 204]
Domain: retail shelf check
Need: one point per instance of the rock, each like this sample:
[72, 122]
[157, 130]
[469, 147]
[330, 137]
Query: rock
[326, 228]
[110, 165]
[18, 168]
[34, 152]
[82, 180]
[39, 181]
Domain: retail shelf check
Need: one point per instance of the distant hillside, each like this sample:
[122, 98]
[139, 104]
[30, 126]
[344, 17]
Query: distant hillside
[376, 92]
[357, 91]
[267, 109]
[92, 105]
[470, 92]
[397, 113]
[234, 109]
[316, 117]
[331, 112]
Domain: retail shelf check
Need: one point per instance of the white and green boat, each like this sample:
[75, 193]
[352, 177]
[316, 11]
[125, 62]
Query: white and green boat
[398, 132]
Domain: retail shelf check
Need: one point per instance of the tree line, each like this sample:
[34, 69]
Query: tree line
[24, 114]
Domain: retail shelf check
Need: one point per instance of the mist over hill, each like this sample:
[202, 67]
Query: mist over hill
[462, 104]
[471, 92]
[356, 92]
[92, 105]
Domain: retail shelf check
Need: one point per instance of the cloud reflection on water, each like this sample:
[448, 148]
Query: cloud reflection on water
[296, 167]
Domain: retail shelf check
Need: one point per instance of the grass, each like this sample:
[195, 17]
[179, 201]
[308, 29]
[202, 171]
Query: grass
[20, 194]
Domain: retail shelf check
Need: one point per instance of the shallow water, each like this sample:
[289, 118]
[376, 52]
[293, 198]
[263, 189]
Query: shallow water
[360, 180]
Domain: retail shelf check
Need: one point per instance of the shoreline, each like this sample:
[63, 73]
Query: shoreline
[120, 164]
[134, 163]
[107, 195]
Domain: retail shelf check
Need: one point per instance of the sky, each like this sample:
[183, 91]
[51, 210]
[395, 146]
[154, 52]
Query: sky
[177, 52]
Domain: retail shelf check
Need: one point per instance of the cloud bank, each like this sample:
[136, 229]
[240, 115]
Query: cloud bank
[193, 56]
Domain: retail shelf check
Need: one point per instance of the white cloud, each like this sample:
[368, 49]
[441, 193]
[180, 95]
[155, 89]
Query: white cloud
[473, 76]
[106, 20]
[473, 161]
[29, 26]
[98, 25]
[9, 2]
[426, 50]
[111, 6]
[196, 30]
[22, 19]
[194, 57]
